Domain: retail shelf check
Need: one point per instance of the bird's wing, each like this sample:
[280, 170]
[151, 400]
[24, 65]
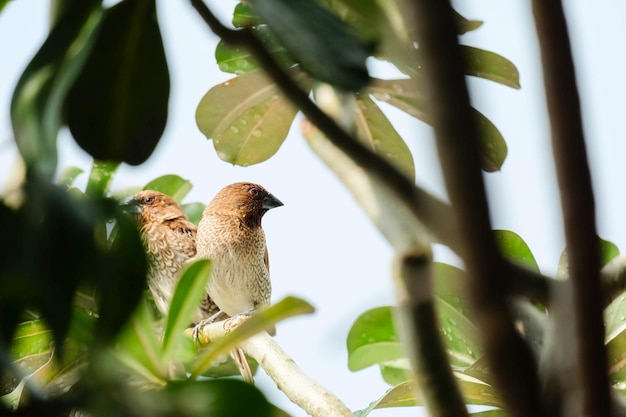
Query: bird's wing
[186, 232]
[266, 259]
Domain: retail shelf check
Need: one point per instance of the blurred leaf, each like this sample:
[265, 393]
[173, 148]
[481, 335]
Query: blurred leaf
[100, 178]
[37, 102]
[375, 130]
[396, 372]
[608, 251]
[480, 370]
[247, 118]
[244, 16]
[190, 290]
[490, 66]
[121, 281]
[172, 185]
[262, 320]
[3, 3]
[464, 25]
[14, 289]
[318, 40]
[31, 338]
[238, 60]
[139, 349]
[223, 397]
[403, 395]
[117, 109]
[514, 247]
[490, 413]
[372, 339]
[68, 176]
[57, 251]
[402, 94]
[459, 333]
[194, 211]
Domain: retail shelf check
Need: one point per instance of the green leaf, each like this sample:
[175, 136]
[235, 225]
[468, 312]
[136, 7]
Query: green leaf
[318, 40]
[68, 176]
[138, 348]
[402, 94]
[396, 372]
[608, 251]
[172, 185]
[190, 290]
[37, 102]
[514, 247]
[247, 118]
[244, 16]
[459, 333]
[223, 397]
[194, 211]
[464, 25]
[372, 339]
[490, 66]
[403, 395]
[100, 178]
[31, 338]
[117, 109]
[238, 60]
[490, 413]
[264, 319]
[375, 130]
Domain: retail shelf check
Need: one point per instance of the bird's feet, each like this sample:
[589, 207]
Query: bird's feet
[237, 320]
[197, 332]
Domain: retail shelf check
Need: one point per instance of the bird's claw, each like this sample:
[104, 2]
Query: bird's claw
[236, 321]
[198, 329]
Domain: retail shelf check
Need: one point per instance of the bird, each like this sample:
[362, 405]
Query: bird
[230, 234]
[169, 239]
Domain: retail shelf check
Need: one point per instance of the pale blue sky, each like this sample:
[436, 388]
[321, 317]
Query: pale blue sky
[322, 247]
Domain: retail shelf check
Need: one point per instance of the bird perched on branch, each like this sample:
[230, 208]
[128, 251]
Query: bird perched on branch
[169, 239]
[231, 236]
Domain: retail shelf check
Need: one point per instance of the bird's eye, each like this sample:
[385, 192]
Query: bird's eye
[254, 192]
[149, 199]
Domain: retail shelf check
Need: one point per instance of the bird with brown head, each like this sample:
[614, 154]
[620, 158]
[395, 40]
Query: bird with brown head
[231, 236]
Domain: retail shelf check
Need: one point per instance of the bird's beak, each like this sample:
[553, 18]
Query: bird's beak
[131, 205]
[270, 202]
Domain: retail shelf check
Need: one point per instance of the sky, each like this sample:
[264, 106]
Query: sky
[322, 247]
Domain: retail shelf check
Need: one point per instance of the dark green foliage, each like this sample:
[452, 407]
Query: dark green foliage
[117, 109]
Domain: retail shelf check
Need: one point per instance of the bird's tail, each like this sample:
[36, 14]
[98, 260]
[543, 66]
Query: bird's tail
[242, 363]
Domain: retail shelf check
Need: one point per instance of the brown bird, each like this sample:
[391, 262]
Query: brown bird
[169, 239]
[230, 234]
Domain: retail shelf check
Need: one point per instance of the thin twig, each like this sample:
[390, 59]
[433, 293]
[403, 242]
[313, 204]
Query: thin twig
[458, 143]
[591, 392]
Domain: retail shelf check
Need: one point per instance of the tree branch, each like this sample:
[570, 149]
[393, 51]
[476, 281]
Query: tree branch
[589, 359]
[418, 322]
[301, 389]
[458, 143]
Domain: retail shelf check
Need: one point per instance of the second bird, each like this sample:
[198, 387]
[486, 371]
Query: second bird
[231, 236]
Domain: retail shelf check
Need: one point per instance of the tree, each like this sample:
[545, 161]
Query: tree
[247, 125]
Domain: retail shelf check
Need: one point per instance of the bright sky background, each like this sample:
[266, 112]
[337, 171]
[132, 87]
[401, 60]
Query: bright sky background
[322, 247]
